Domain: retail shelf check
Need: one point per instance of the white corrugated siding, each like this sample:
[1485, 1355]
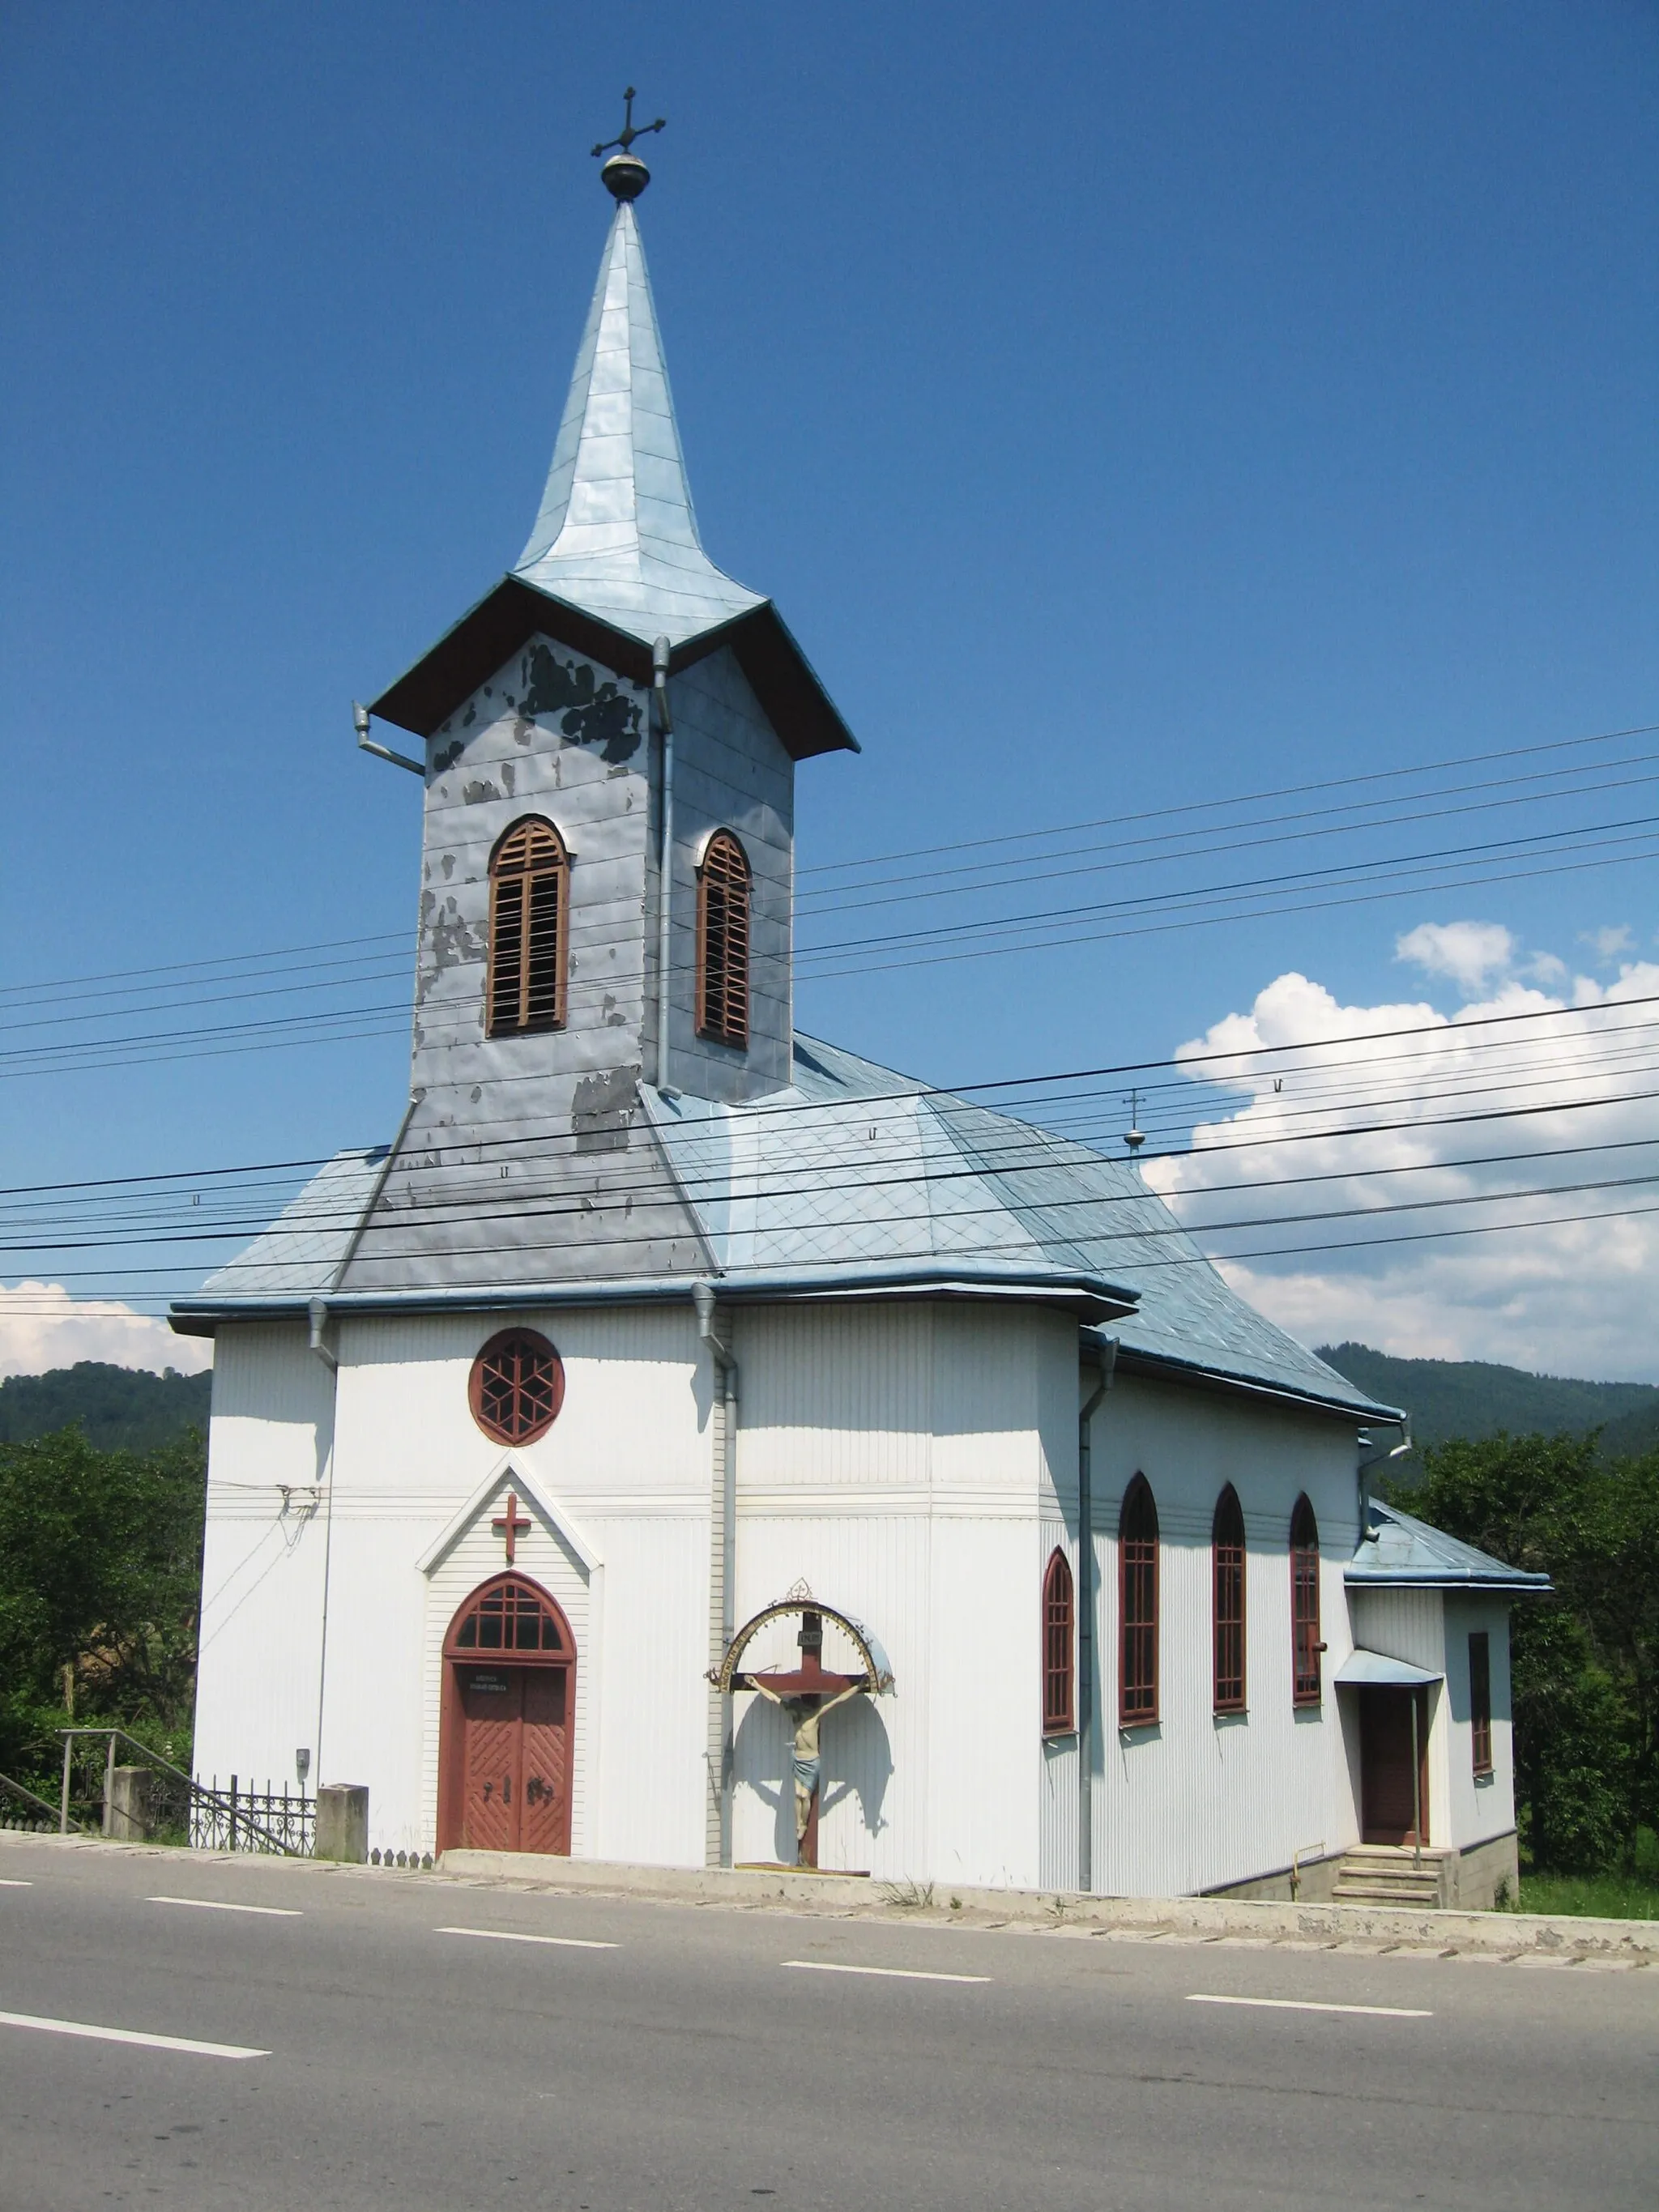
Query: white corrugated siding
[261, 1560]
[1478, 1810]
[1200, 1800]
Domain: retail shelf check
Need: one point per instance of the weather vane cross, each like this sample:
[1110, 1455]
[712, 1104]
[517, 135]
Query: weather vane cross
[628, 133]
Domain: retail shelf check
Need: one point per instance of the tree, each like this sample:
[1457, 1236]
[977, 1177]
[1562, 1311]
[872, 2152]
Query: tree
[1585, 1664]
[99, 1585]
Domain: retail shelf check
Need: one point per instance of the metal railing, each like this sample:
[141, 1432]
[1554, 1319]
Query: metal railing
[20, 1809]
[177, 1807]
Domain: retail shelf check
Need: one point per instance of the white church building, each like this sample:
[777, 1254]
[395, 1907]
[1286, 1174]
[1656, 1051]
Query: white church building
[662, 1338]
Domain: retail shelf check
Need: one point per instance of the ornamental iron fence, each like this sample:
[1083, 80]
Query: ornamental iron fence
[114, 1785]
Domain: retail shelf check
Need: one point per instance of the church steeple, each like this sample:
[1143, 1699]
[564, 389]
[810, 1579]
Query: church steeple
[617, 534]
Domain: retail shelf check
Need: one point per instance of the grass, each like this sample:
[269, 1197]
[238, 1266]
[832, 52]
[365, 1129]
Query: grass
[1608, 1896]
[1629, 1893]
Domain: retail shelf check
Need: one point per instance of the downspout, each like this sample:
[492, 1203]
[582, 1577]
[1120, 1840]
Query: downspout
[664, 851]
[1106, 1365]
[723, 1552]
[318, 1311]
[1368, 1460]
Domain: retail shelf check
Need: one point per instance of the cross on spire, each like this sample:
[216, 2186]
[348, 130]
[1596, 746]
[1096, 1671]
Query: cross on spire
[511, 1526]
[625, 175]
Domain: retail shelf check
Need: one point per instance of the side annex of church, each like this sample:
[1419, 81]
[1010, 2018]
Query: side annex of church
[671, 1374]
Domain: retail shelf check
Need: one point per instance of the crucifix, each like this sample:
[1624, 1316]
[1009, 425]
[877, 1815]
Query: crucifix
[510, 1525]
[806, 1696]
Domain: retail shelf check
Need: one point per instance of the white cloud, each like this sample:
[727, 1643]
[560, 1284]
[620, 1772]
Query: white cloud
[41, 1326]
[1609, 944]
[1468, 951]
[1445, 1114]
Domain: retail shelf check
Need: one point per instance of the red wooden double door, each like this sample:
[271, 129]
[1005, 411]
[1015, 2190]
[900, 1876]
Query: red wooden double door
[505, 1730]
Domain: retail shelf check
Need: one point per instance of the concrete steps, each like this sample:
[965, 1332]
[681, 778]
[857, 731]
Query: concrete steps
[1390, 1874]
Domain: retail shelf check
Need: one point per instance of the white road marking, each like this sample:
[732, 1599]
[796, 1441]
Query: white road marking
[888, 1973]
[216, 1905]
[512, 1936]
[16, 1884]
[130, 2035]
[1307, 2004]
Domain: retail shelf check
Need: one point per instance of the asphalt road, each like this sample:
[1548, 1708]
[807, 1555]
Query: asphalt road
[667, 2056]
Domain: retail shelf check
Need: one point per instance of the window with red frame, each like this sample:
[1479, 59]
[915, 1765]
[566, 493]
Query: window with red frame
[1480, 1702]
[1227, 1570]
[517, 1387]
[1137, 1587]
[1306, 1649]
[1059, 1638]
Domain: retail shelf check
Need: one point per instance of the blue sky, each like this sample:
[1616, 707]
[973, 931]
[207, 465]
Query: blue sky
[1125, 406]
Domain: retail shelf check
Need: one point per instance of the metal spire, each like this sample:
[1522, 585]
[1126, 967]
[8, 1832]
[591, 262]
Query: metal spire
[616, 535]
[625, 175]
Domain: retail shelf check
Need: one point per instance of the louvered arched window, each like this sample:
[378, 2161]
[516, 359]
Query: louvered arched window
[1305, 1645]
[1059, 1637]
[723, 888]
[529, 921]
[1227, 1573]
[1137, 1589]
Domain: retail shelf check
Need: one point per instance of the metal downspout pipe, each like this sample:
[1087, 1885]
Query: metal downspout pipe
[723, 1551]
[1106, 1366]
[665, 853]
[318, 1313]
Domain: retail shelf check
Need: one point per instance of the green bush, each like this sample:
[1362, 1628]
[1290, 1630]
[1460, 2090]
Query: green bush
[1584, 1663]
[100, 1557]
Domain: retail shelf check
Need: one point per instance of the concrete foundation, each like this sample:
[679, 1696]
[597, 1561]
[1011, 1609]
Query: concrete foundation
[342, 1823]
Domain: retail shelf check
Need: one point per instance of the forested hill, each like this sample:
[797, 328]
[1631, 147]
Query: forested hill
[1471, 1398]
[117, 1408]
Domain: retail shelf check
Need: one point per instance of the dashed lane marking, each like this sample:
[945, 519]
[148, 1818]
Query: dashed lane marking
[512, 1936]
[16, 1884]
[1307, 2004]
[218, 1905]
[887, 1973]
[181, 2043]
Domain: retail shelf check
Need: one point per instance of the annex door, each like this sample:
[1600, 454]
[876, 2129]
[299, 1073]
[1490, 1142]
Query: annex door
[504, 1736]
[1392, 1810]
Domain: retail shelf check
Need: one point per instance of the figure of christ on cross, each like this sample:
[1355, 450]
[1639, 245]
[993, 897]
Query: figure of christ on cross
[806, 1696]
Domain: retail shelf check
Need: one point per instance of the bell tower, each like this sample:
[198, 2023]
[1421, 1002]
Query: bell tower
[607, 875]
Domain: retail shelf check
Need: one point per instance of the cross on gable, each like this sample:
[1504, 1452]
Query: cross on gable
[510, 1525]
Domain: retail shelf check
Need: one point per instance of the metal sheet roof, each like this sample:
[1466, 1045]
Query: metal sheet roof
[855, 1181]
[617, 533]
[1396, 1551]
[1370, 1670]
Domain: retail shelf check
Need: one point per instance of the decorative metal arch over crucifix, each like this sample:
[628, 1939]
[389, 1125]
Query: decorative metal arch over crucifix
[805, 1694]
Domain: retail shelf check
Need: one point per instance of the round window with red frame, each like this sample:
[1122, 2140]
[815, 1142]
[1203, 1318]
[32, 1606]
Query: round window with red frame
[517, 1387]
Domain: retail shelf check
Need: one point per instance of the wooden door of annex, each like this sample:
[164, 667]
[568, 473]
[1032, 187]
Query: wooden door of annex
[504, 1732]
[1393, 1812]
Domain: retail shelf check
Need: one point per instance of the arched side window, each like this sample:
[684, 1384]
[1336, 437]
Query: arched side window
[723, 896]
[1137, 1585]
[529, 923]
[1227, 1571]
[1059, 1639]
[1305, 1646]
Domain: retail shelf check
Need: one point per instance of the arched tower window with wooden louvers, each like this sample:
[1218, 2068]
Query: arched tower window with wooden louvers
[723, 900]
[529, 923]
